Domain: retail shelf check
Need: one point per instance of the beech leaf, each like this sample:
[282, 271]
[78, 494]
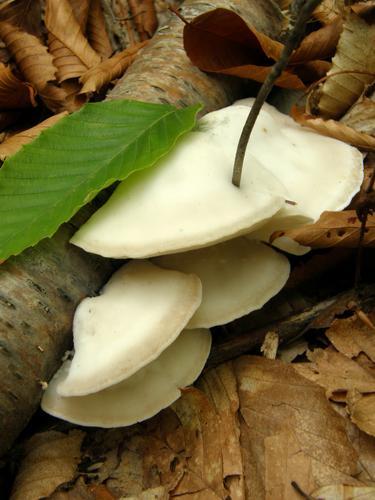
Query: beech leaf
[220, 41]
[339, 229]
[45, 183]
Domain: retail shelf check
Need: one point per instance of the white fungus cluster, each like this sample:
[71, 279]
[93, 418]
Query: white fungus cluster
[146, 336]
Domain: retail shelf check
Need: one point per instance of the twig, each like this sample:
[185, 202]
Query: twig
[301, 492]
[303, 10]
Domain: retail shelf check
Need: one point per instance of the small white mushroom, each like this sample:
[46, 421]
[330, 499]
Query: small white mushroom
[140, 312]
[238, 276]
[141, 396]
[187, 201]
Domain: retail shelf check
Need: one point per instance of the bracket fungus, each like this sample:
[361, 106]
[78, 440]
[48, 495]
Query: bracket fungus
[130, 355]
[141, 311]
[187, 201]
[238, 276]
[142, 395]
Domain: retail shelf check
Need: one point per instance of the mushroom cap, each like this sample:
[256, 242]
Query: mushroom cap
[187, 201]
[141, 311]
[238, 276]
[320, 173]
[141, 396]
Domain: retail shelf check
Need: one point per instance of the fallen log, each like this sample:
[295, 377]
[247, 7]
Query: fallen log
[40, 289]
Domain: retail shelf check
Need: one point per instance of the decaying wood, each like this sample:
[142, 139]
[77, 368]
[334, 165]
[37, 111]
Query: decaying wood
[41, 288]
[315, 316]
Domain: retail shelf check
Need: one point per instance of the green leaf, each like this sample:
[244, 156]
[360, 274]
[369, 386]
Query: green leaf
[45, 183]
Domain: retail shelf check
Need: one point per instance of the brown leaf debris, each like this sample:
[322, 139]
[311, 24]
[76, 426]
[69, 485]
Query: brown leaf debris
[50, 460]
[114, 67]
[59, 15]
[144, 15]
[15, 142]
[14, 94]
[97, 32]
[333, 229]
[31, 56]
[355, 61]
[335, 129]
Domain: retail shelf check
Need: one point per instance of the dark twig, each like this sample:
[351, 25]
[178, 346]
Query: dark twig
[301, 492]
[301, 11]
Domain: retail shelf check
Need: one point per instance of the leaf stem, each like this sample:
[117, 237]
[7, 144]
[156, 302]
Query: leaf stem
[301, 11]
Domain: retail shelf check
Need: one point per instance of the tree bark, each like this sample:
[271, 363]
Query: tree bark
[40, 289]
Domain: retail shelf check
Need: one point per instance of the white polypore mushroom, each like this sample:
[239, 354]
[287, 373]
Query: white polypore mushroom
[320, 173]
[187, 201]
[140, 312]
[238, 276]
[141, 396]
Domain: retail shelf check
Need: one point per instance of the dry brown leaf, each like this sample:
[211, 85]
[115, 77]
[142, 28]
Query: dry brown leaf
[25, 14]
[251, 427]
[362, 412]
[333, 229]
[68, 65]
[15, 143]
[312, 71]
[97, 32]
[361, 116]
[288, 432]
[14, 93]
[336, 373]
[144, 15]
[337, 130]
[59, 15]
[351, 336]
[345, 492]
[32, 57]
[354, 57]
[220, 41]
[319, 44]
[328, 10]
[50, 459]
[96, 78]
[81, 9]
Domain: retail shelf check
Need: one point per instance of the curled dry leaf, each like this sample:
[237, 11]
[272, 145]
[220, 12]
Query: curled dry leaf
[355, 61]
[361, 116]
[96, 30]
[14, 93]
[50, 459]
[341, 229]
[96, 78]
[319, 44]
[337, 130]
[144, 15]
[68, 65]
[220, 41]
[362, 412]
[14, 143]
[31, 56]
[25, 14]
[59, 15]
